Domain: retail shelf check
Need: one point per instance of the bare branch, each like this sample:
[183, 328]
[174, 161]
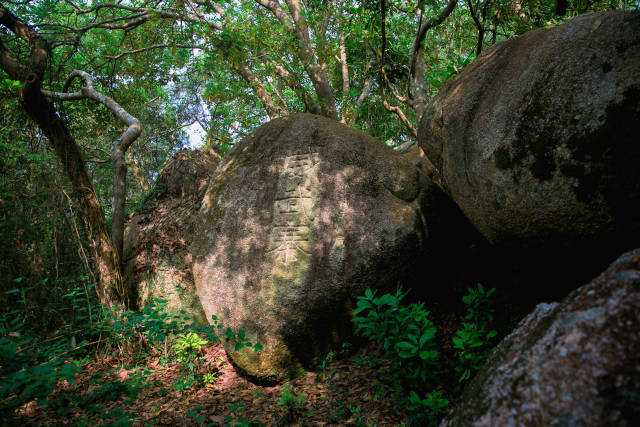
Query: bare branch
[343, 63]
[267, 102]
[391, 108]
[148, 48]
[285, 109]
[110, 286]
[139, 16]
[325, 21]
[278, 12]
[291, 81]
[403, 99]
[366, 89]
[315, 69]
[134, 127]
[427, 25]
[436, 20]
[39, 46]
[118, 148]
[398, 112]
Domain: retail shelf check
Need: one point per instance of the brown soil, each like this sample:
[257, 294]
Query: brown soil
[342, 394]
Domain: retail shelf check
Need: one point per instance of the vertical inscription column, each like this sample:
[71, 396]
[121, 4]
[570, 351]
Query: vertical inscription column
[292, 211]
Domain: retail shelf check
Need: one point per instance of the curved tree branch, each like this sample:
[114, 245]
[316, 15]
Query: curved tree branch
[118, 148]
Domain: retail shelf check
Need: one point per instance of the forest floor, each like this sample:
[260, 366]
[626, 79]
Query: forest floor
[348, 390]
[345, 392]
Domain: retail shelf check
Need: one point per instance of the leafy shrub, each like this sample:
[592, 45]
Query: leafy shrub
[427, 411]
[209, 378]
[194, 416]
[32, 365]
[406, 334]
[293, 403]
[30, 369]
[240, 339]
[187, 346]
[479, 308]
[407, 337]
[472, 341]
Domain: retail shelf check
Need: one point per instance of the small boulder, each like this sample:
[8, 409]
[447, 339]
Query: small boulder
[573, 363]
[537, 141]
[300, 218]
[157, 239]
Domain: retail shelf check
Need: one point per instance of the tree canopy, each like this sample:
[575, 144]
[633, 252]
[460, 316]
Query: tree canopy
[230, 65]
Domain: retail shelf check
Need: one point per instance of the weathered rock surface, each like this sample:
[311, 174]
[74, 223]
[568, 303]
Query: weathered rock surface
[157, 240]
[574, 363]
[416, 156]
[537, 140]
[300, 218]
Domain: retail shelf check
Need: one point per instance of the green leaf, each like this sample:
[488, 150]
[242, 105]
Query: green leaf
[427, 336]
[428, 354]
[404, 345]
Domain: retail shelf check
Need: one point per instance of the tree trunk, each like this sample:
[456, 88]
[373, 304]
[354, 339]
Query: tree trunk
[110, 286]
[119, 198]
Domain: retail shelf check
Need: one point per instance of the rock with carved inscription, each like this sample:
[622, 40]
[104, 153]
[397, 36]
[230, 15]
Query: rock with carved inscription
[573, 363]
[300, 218]
[157, 239]
[537, 142]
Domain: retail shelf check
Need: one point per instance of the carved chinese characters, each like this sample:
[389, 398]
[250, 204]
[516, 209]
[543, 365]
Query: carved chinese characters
[292, 211]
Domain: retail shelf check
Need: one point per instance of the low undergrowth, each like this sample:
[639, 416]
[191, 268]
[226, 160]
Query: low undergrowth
[60, 377]
[407, 338]
[42, 370]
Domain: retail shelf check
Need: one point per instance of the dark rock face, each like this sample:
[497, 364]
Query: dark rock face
[157, 240]
[300, 218]
[573, 363]
[537, 140]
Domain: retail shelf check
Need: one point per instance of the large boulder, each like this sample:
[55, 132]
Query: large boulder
[574, 363]
[157, 239]
[300, 218]
[537, 140]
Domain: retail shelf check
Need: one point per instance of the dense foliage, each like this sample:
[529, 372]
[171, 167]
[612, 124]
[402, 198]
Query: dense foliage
[406, 336]
[33, 366]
